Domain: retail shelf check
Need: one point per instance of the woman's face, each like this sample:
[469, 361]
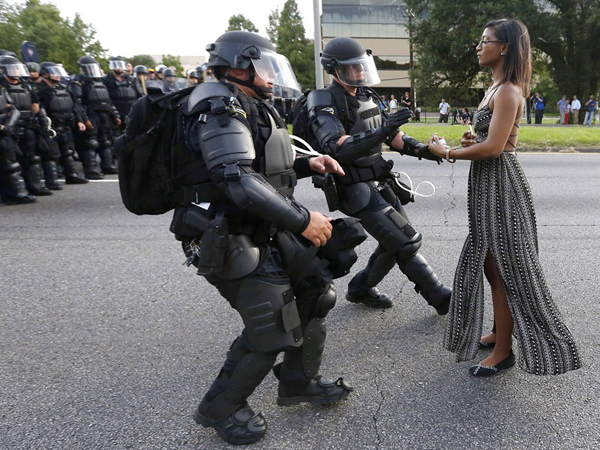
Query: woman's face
[488, 48]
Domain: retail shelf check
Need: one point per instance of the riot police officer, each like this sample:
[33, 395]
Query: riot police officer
[121, 87]
[12, 186]
[246, 173]
[30, 120]
[169, 77]
[34, 73]
[141, 76]
[349, 126]
[98, 113]
[158, 70]
[193, 78]
[62, 110]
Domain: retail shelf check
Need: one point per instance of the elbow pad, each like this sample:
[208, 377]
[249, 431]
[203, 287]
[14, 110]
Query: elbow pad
[254, 194]
[323, 121]
[360, 145]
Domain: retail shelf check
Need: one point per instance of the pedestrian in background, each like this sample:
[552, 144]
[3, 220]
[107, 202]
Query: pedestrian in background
[590, 107]
[444, 108]
[575, 107]
[562, 104]
[540, 106]
[393, 104]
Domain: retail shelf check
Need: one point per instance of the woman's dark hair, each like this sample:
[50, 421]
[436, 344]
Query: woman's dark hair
[517, 61]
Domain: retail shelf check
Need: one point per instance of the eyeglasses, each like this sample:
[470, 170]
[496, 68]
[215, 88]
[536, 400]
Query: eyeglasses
[482, 42]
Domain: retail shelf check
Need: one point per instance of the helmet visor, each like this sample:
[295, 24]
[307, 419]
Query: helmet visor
[276, 69]
[56, 70]
[15, 70]
[359, 71]
[117, 65]
[91, 70]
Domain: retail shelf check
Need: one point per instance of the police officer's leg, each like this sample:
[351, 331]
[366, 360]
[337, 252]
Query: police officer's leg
[314, 298]
[105, 134]
[12, 186]
[64, 138]
[49, 153]
[86, 143]
[31, 164]
[392, 230]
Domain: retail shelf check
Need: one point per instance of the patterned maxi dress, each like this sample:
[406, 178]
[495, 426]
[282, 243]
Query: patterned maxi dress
[502, 221]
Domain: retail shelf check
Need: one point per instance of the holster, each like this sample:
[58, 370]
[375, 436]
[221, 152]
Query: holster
[189, 222]
[399, 188]
[327, 183]
[214, 246]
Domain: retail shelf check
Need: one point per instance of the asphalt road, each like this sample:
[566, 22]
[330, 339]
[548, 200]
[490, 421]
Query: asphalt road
[108, 342]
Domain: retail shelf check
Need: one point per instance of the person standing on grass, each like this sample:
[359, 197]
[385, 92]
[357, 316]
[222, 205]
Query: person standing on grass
[590, 107]
[575, 107]
[502, 241]
[562, 104]
[540, 106]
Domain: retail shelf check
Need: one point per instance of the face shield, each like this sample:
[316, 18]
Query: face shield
[91, 70]
[15, 70]
[275, 68]
[359, 71]
[56, 72]
[116, 65]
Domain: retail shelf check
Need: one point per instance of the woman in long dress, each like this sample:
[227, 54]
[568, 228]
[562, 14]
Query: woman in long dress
[502, 241]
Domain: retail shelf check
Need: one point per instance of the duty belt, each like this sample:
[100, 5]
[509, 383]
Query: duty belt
[359, 174]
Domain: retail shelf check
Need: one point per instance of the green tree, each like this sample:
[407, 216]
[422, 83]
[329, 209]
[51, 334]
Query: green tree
[10, 34]
[144, 60]
[286, 31]
[170, 60]
[564, 33]
[240, 23]
[57, 39]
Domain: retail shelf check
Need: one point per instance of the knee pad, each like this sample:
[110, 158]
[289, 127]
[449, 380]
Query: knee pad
[107, 143]
[314, 344]
[35, 159]
[93, 144]
[392, 230]
[325, 302]
[268, 309]
[379, 267]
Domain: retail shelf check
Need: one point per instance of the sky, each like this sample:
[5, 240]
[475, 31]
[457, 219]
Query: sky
[175, 27]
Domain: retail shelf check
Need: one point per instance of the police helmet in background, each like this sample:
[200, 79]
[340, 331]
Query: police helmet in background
[141, 70]
[89, 67]
[12, 67]
[346, 59]
[169, 79]
[4, 53]
[117, 64]
[52, 71]
[33, 67]
[246, 50]
[160, 68]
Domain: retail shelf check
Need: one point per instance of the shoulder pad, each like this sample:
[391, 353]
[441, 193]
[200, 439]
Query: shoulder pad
[205, 91]
[319, 98]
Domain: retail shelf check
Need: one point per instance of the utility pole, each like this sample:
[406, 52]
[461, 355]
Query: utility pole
[317, 42]
[409, 13]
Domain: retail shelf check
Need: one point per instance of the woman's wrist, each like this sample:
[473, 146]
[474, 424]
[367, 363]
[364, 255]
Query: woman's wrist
[449, 156]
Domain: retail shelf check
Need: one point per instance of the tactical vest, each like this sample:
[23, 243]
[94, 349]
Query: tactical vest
[60, 106]
[21, 99]
[122, 93]
[366, 117]
[95, 95]
[276, 155]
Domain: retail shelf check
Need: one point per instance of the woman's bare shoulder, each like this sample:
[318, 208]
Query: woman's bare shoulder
[510, 88]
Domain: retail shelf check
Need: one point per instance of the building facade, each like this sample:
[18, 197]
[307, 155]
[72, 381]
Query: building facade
[381, 25]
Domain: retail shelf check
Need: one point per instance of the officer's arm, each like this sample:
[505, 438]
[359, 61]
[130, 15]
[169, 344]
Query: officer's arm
[228, 151]
[328, 130]
[76, 92]
[10, 127]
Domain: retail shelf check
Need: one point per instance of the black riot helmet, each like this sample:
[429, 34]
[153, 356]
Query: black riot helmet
[12, 68]
[346, 59]
[245, 50]
[4, 53]
[117, 64]
[169, 79]
[33, 67]
[200, 70]
[89, 67]
[140, 70]
[52, 71]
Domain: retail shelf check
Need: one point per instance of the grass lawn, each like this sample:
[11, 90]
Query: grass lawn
[530, 136]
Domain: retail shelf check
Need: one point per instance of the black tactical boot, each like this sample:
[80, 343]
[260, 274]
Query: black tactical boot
[316, 390]
[242, 426]
[17, 199]
[51, 175]
[359, 292]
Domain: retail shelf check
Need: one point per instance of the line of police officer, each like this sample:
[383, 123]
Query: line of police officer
[45, 117]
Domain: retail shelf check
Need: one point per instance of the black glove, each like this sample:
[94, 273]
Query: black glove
[412, 147]
[393, 121]
[424, 152]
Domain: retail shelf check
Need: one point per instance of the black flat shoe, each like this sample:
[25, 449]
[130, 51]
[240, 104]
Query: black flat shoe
[481, 370]
[486, 345]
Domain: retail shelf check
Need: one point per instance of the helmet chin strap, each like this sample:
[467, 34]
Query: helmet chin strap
[260, 91]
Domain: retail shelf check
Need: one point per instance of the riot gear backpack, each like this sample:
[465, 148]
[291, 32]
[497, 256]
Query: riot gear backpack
[145, 154]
